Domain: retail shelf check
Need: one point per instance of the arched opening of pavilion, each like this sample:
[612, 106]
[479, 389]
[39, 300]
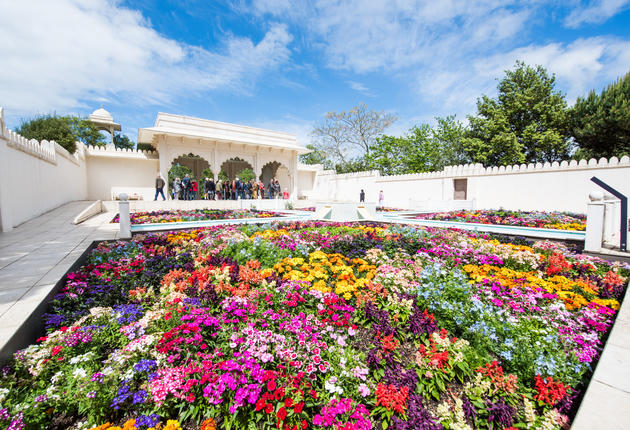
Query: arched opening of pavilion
[197, 167]
[233, 167]
[276, 170]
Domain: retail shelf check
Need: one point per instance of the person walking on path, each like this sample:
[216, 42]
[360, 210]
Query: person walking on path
[362, 196]
[159, 187]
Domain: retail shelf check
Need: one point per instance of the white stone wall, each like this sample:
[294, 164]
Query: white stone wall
[36, 177]
[550, 186]
[112, 171]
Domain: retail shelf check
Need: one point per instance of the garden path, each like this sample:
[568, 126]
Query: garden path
[33, 257]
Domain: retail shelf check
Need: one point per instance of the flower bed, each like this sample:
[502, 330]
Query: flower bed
[386, 209]
[195, 215]
[552, 220]
[314, 325]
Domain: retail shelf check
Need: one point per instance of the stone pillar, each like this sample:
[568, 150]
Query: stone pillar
[594, 222]
[294, 178]
[124, 218]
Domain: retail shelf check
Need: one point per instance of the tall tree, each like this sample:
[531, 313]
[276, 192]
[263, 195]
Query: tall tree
[122, 141]
[65, 130]
[316, 156]
[344, 136]
[600, 123]
[423, 149]
[526, 123]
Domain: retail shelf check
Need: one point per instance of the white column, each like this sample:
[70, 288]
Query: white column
[124, 219]
[594, 222]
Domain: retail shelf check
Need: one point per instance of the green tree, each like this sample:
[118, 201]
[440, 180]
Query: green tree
[600, 123]
[207, 173]
[178, 171]
[316, 156]
[123, 142]
[223, 176]
[65, 130]
[423, 149]
[526, 123]
[246, 175]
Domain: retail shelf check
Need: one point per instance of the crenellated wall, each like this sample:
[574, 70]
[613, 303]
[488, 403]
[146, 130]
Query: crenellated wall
[542, 186]
[36, 177]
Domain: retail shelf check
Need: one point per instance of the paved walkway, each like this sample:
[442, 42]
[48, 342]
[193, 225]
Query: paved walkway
[35, 255]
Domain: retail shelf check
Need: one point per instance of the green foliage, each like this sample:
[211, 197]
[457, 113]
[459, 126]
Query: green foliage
[65, 130]
[178, 171]
[145, 147]
[223, 176]
[246, 175]
[316, 156]
[123, 142]
[526, 123]
[423, 149]
[600, 123]
[85, 131]
[207, 173]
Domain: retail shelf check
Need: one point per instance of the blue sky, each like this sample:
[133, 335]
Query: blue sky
[282, 64]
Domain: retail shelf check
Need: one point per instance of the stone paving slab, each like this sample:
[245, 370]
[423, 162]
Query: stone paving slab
[34, 257]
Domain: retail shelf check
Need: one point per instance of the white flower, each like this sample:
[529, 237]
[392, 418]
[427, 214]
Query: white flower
[79, 372]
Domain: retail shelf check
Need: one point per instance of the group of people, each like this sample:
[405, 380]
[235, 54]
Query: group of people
[188, 189]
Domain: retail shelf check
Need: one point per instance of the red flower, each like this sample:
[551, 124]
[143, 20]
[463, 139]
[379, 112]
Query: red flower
[260, 404]
[282, 413]
[288, 402]
[304, 424]
[271, 385]
[298, 408]
[268, 408]
[56, 350]
[279, 394]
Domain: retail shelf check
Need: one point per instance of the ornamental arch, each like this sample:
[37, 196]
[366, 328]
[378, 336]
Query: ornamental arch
[234, 166]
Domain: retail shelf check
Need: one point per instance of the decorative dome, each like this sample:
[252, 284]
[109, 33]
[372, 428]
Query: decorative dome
[104, 120]
[101, 115]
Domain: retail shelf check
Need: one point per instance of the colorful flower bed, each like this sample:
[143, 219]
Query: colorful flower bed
[195, 215]
[317, 326]
[386, 209]
[553, 220]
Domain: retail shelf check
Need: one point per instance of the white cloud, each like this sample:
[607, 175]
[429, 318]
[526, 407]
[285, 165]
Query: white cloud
[359, 87]
[57, 54]
[595, 12]
[578, 66]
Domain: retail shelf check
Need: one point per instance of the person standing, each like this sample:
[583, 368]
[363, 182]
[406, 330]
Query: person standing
[219, 189]
[285, 194]
[254, 190]
[271, 189]
[177, 188]
[194, 187]
[186, 187]
[362, 196]
[278, 189]
[213, 188]
[381, 198]
[261, 189]
[159, 187]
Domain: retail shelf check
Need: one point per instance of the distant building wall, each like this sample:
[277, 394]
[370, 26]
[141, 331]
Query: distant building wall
[112, 171]
[550, 186]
